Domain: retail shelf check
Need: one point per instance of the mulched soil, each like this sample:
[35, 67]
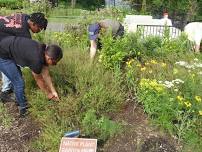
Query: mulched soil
[17, 137]
[138, 135]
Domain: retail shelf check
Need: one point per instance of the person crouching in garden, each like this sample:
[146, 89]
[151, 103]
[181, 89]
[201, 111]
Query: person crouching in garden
[19, 24]
[16, 52]
[95, 29]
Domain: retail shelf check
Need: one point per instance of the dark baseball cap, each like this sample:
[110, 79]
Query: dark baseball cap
[93, 31]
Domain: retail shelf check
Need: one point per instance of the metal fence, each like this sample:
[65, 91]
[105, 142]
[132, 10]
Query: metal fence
[158, 30]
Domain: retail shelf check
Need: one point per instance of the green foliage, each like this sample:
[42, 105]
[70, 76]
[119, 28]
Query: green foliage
[81, 87]
[50, 139]
[169, 94]
[178, 45]
[71, 37]
[5, 118]
[29, 81]
[91, 4]
[103, 127]
[115, 51]
[12, 4]
[43, 6]
[108, 99]
[152, 43]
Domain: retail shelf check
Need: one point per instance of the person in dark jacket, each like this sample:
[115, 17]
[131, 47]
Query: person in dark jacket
[18, 52]
[19, 24]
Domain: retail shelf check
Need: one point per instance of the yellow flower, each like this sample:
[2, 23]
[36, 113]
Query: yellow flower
[129, 62]
[129, 65]
[180, 98]
[143, 69]
[150, 71]
[138, 65]
[188, 104]
[200, 112]
[163, 64]
[175, 71]
[153, 83]
[159, 88]
[147, 63]
[193, 75]
[198, 98]
[153, 61]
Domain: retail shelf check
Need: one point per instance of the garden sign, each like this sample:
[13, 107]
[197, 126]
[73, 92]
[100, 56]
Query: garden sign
[78, 145]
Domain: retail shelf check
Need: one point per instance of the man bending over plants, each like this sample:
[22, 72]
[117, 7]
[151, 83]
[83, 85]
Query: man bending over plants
[16, 52]
[19, 24]
[102, 26]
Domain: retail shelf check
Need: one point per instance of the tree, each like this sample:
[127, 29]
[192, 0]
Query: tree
[181, 10]
[73, 3]
[91, 4]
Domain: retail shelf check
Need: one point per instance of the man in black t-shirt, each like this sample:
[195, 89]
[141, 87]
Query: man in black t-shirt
[19, 24]
[24, 52]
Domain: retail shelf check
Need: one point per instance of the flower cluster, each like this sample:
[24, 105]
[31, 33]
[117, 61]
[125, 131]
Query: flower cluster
[151, 84]
[129, 63]
[189, 104]
[189, 66]
[170, 84]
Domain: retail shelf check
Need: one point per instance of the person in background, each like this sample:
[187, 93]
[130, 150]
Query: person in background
[194, 33]
[16, 52]
[19, 24]
[95, 29]
[165, 20]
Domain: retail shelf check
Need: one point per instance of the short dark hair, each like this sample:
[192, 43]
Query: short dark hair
[54, 51]
[39, 19]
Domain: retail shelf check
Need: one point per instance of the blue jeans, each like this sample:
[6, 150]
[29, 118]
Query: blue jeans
[13, 72]
[6, 83]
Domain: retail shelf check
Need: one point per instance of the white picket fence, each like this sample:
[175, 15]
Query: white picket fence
[150, 26]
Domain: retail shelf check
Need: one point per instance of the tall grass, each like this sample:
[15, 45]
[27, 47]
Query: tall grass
[83, 87]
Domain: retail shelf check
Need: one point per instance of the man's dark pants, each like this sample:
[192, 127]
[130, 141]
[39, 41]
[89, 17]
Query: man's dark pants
[13, 72]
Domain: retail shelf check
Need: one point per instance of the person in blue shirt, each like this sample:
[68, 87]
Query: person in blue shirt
[94, 31]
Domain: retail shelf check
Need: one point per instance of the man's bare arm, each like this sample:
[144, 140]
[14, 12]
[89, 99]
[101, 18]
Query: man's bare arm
[41, 83]
[48, 81]
[93, 49]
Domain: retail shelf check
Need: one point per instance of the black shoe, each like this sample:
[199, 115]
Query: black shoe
[8, 91]
[23, 112]
[7, 96]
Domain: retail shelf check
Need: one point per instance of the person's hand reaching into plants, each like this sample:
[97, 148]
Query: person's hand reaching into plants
[53, 96]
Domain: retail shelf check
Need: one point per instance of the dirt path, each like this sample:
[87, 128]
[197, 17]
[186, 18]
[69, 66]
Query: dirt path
[17, 137]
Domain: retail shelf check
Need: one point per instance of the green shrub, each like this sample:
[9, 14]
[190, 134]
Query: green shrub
[116, 51]
[102, 128]
[43, 6]
[170, 93]
[12, 4]
[5, 118]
